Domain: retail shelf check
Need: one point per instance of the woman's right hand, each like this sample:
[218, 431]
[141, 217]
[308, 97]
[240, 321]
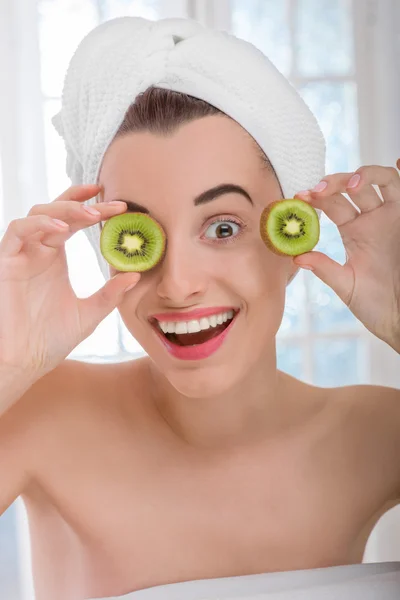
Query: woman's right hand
[41, 318]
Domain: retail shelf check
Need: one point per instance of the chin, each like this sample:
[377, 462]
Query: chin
[211, 368]
[203, 382]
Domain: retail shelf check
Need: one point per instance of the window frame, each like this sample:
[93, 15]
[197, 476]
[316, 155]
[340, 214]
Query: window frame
[22, 145]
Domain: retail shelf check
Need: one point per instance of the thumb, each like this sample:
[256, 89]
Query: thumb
[340, 278]
[94, 309]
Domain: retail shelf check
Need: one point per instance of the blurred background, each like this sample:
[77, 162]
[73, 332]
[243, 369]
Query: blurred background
[343, 56]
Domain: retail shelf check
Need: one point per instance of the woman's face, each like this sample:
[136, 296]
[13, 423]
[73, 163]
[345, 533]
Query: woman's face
[215, 258]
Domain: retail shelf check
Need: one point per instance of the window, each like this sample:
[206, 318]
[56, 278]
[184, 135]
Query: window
[311, 43]
[62, 25]
[286, 33]
[338, 64]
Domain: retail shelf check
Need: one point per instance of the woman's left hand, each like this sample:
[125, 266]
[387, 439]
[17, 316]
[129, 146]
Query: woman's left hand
[369, 282]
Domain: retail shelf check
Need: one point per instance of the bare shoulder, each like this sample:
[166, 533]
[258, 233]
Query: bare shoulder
[374, 404]
[370, 417]
[72, 390]
[41, 394]
[62, 408]
[42, 401]
[54, 399]
[22, 427]
[78, 389]
[359, 427]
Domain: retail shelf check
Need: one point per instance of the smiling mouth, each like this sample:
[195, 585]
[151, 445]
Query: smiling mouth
[197, 338]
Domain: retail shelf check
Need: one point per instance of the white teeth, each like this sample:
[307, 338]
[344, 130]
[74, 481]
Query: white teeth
[204, 323]
[213, 320]
[164, 326]
[195, 325]
[181, 327]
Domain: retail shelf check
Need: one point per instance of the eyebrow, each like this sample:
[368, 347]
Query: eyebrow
[203, 198]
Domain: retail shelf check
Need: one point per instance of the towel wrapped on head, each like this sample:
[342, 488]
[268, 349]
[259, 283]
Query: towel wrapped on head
[123, 57]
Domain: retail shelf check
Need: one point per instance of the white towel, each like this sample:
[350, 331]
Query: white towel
[122, 57]
[363, 581]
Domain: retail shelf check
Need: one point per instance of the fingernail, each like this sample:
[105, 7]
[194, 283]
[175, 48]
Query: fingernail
[320, 186]
[305, 267]
[116, 203]
[60, 223]
[303, 192]
[91, 211]
[353, 182]
[130, 287]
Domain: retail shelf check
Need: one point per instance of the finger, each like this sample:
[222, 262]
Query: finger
[386, 178]
[79, 193]
[335, 182]
[336, 207]
[95, 308]
[340, 278]
[19, 231]
[77, 215]
[365, 197]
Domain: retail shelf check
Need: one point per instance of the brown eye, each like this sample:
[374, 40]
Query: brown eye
[223, 229]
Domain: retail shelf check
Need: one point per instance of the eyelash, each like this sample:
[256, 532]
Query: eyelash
[231, 238]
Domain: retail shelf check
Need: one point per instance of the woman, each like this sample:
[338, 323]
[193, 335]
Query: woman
[199, 470]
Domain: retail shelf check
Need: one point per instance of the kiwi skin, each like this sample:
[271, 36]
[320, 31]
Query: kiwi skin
[131, 266]
[263, 227]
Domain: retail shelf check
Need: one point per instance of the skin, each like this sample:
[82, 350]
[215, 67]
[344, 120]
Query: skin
[239, 384]
[137, 480]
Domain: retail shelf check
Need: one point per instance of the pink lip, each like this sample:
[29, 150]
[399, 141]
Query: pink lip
[196, 352]
[192, 314]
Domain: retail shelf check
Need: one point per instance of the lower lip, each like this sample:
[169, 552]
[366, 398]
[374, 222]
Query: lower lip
[200, 350]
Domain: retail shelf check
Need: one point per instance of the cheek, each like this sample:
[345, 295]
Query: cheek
[254, 268]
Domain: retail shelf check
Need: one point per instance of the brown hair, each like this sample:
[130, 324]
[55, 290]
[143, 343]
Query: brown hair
[162, 111]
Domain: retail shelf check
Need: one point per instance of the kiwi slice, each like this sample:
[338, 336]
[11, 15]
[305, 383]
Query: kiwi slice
[290, 227]
[132, 242]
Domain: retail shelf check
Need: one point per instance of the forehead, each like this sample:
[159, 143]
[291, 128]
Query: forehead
[211, 144]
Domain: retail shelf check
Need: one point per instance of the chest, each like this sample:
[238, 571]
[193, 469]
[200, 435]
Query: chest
[142, 516]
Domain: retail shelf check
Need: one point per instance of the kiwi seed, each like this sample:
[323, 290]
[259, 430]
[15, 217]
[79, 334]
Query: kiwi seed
[132, 242]
[290, 227]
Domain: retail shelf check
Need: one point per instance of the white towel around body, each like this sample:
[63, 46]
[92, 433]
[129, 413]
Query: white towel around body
[365, 581]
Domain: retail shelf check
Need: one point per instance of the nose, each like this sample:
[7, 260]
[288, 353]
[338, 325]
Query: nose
[182, 278]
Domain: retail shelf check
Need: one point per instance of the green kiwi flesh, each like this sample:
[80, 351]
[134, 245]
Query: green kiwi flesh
[132, 242]
[290, 227]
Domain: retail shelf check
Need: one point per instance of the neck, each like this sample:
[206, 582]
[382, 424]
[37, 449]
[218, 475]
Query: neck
[246, 414]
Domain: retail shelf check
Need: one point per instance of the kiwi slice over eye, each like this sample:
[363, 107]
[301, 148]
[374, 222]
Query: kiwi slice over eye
[132, 242]
[290, 227]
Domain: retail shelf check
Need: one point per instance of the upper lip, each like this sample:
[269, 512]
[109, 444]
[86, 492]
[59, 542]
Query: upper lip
[197, 313]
